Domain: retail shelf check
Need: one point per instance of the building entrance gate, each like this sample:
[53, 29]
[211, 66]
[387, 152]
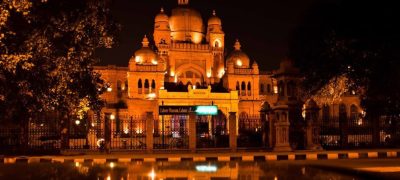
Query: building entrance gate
[212, 131]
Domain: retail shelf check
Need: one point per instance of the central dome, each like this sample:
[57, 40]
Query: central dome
[186, 25]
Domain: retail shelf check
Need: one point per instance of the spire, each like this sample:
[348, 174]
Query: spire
[214, 13]
[183, 2]
[237, 45]
[145, 41]
[162, 10]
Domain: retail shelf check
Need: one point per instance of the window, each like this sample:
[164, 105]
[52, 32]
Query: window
[146, 86]
[353, 113]
[153, 86]
[140, 85]
[325, 113]
[249, 89]
[261, 88]
[243, 89]
[281, 88]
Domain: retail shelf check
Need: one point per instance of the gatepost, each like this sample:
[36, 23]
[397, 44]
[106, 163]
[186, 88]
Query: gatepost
[192, 131]
[149, 131]
[232, 131]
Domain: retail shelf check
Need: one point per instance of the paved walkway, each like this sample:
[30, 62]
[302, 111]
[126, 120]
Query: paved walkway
[209, 156]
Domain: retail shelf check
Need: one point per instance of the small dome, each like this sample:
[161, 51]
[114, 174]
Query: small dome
[214, 19]
[145, 55]
[161, 17]
[238, 57]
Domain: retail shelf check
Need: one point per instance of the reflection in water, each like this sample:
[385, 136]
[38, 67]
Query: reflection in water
[165, 171]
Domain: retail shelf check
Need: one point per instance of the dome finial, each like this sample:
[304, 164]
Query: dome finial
[162, 10]
[237, 45]
[145, 41]
[183, 2]
[214, 13]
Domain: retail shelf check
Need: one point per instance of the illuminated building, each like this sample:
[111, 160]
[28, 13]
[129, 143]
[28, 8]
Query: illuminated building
[188, 68]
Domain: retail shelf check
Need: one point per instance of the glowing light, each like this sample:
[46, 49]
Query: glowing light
[77, 122]
[276, 89]
[206, 168]
[137, 59]
[139, 131]
[152, 174]
[172, 73]
[239, 62]
[194, 86]
[221, 73]
[208, 74]
[112, 116]
[99, 142]
[93, 124]
[109, 89]
[108, 177]
[77, 164]
[154, 62]
[360, 122]
[151, 95]
[206, 110]
[112, 165]
[126, 131]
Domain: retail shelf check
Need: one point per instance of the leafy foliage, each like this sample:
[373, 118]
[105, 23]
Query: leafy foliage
[357, 40]
[47, 55]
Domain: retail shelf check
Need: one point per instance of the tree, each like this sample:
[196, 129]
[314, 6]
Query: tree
[357, 40]
[47, 56]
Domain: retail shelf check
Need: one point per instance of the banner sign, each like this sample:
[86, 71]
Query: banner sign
[199, 110]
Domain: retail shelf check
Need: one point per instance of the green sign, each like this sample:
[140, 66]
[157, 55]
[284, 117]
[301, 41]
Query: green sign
[206, 110]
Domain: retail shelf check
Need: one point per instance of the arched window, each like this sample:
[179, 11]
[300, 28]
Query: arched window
[153, 85]
[269, 88]
[216, 44]
[249, 89]
[146, 86]
[243, 88]
[353, 114]
[119, 87]
[291, 89]
[126, 85]
[140, 86]
[261, 88]
[342, 113]
[281, 88]
[325, 113]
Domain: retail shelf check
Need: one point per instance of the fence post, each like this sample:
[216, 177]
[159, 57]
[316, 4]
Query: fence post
[232, 131]
[149, 131]
[192, 132]
[107, 132]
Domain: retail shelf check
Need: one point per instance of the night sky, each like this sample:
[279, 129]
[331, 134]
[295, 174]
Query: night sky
[263, 27]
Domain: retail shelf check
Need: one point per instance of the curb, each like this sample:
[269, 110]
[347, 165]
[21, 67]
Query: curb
[255, 157]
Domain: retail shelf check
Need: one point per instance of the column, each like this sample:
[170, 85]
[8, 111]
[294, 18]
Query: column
[192, 132]
[107, 132]
[232, 131]
[282, 129]
[149, 131]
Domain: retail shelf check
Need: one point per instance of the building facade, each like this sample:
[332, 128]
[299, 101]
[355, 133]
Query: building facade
[188, 68]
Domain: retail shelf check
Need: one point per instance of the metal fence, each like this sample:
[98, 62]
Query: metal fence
[359, 133]
[250, 131]
[171, 132]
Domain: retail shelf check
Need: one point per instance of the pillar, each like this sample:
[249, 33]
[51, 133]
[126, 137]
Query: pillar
[282, 128]
[107, 132]
[192, 132]
[149, 131]
[312, 128]
[232, 131]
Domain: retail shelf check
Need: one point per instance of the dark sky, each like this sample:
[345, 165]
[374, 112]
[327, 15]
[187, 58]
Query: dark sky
[264, 27]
